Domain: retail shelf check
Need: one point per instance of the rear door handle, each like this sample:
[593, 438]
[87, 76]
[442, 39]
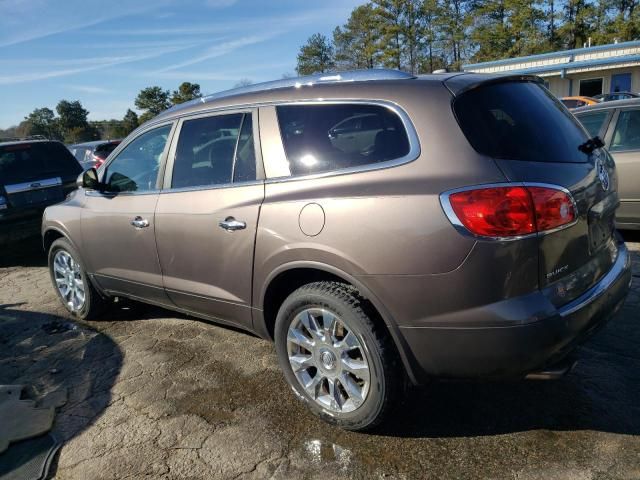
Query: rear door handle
[230, 224]
[140, 222]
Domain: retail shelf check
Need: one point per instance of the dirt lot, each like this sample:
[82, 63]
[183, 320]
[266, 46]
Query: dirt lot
[159, 395]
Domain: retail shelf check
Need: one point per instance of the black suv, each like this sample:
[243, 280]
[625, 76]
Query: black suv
[33, 175]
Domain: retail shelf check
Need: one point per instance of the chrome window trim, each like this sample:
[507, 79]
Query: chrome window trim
[414, 142]
[412, 136]
[171, 154]
[459, 226]
[34, 185]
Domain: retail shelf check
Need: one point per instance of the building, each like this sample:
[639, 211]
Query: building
[583, 71]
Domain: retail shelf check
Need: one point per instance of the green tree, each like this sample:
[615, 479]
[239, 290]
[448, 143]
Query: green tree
[129, 123]
[357, 42]
[72, 119]
[316, 56]
[453, 21]
[186, 91]
[152, 100]
[42, 121]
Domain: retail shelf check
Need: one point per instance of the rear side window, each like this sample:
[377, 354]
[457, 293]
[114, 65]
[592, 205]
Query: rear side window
[323, 138]
[627, 133]
[215, 151]
[519, 121]
[23, 162]
[593, 121]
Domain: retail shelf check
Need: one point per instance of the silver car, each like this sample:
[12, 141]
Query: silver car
[617, 123]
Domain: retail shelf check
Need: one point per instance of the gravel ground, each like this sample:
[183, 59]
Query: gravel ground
[154, 394]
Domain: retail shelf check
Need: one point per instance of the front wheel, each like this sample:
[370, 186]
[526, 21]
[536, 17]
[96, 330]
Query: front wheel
[336, 359]
[71, 283]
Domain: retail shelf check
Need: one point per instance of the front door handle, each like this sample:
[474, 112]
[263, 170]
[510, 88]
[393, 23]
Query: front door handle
[140, 222]
[230, 224]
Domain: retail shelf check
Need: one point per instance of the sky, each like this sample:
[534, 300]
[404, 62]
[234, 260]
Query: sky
[103, 52]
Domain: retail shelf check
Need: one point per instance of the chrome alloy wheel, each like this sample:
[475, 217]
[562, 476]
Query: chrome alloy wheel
[328, 360]
[68, 278]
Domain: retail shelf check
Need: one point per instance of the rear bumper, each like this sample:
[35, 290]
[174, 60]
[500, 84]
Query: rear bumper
[518, 335]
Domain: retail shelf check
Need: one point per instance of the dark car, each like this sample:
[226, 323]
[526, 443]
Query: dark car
[609, 97]
[379, 227]
[617, 123]
[33, 175]
[93, 154]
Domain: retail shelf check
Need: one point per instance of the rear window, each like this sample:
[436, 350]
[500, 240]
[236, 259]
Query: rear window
[593, 121]
[323, 138]
[24, 162]
[105, 149]
[519, 121]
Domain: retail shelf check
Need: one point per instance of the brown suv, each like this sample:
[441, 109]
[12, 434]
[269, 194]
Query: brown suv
[377, 226]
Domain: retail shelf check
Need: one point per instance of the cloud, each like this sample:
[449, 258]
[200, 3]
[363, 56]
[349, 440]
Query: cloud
[89, 89]
[80, 66]
[220, 49]
[23, 21]
[219, 3]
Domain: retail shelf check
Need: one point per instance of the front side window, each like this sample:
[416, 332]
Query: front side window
[215, 151]
[136, 167]
[627, 133]
[323, 138]
[593, 121]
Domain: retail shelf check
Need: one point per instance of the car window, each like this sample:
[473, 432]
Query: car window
[29, 161]
[205, 151]
[626, 136]
[322, 138]
[593, 121]
[570, 103]
[519, 121]
[136, 167]
[244, 169]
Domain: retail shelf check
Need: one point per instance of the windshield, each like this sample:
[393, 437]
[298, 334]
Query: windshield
[519, 121]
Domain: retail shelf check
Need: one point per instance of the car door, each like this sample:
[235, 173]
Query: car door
[118, 227]
[623, 141]
[207, 216]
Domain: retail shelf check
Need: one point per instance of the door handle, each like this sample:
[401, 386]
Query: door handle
[230, 224]
[140, 222]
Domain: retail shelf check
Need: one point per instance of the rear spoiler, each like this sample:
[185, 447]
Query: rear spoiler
[462, 83]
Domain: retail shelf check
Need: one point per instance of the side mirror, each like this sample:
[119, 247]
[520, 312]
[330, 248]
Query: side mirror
[89, 180]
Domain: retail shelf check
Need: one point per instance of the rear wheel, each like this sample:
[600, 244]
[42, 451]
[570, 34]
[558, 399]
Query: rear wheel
[70, 281]
[336, 359]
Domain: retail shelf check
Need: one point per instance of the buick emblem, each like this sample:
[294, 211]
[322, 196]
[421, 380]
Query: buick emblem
[603, 175]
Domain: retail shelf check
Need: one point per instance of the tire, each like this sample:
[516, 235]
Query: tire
[93, 304]
[358, 406]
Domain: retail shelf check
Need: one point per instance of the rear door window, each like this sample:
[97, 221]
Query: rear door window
[626, 135]
[593, 122]
[323, 138]
[519, 121]
[215, 150]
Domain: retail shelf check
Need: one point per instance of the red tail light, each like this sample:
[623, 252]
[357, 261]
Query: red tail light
[508, 211]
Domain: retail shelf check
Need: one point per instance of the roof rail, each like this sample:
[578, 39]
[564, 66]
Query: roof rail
[308, 80]
[19, 139]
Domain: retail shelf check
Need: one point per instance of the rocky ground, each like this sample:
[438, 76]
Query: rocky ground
[151, 393]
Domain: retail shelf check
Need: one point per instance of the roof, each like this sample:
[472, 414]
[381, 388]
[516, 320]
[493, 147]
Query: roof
[629, 102]
[579, 58]
[375, 84]
[25, 142]
[94, 143]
